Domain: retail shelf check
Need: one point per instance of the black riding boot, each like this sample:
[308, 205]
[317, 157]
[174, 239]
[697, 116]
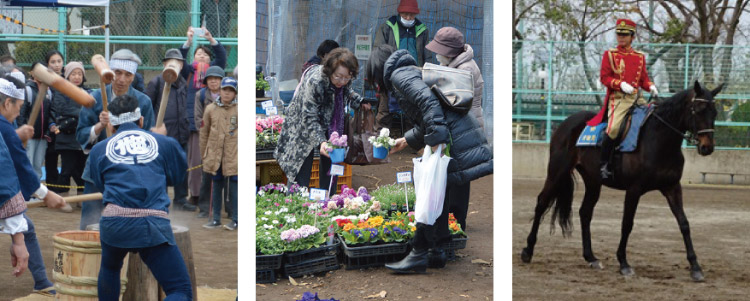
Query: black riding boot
[607, 148]
[416, 261]
[437, 258]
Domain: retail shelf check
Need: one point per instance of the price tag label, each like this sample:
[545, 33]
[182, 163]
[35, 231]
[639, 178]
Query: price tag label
[317, 194]
[267, 104]
[271, 111]
[404, 177]
[337, 170]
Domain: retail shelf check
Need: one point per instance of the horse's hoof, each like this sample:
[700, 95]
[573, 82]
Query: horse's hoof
[697, 276]
[627, 271]
[526, 256]
[596, 265]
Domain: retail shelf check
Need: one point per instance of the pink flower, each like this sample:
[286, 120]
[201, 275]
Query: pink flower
[375, 206]
[288, 201]
[332, 205]
[411, 213]
[276, 204]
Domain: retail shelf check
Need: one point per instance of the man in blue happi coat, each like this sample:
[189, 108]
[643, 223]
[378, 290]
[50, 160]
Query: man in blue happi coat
[92, 123]
[134, 168]
[11, 100]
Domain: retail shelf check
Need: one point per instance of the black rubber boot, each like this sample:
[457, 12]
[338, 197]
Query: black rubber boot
[607, 147]
[437, 258]
[416, 261]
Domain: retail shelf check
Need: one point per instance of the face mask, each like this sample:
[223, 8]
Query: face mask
[444, 60]
[408, 23]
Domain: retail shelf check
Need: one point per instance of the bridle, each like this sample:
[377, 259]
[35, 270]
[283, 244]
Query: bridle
[689, 136]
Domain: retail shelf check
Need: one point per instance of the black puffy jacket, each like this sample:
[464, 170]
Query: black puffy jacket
[472, 157]
[46, 116]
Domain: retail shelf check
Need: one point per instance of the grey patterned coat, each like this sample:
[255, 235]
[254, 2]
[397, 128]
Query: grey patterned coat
[307, 119]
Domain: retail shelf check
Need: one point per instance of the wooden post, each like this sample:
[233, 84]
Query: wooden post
[141, 283]
[182, 238]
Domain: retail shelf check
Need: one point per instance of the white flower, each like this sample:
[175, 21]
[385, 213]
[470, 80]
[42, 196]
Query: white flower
[290, 219]
[371, 139]
[268, 212]
[377, 144]
[333, 219]
[391, 141]
[267, 227]
[268, 233]
[284, 209]
[261, 193]
[264, 218]
[385, 132]
[351, 217]
[364, 216]
[275, 222]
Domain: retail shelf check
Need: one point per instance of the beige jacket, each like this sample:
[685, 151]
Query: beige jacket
[465, 61]
[218, 138]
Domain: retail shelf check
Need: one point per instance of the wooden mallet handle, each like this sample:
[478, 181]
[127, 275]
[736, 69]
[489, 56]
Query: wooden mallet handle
[37, 104]
[50, 78]
[169, 74]
[69, 199]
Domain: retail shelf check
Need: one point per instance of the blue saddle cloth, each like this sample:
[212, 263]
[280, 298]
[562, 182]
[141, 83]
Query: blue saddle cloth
[592, 136]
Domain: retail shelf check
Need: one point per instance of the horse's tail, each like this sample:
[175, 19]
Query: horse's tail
[559, 185]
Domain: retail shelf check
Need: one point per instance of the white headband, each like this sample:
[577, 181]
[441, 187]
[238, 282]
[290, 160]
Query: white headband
[10, 89]
[127, 65]
[125, 117]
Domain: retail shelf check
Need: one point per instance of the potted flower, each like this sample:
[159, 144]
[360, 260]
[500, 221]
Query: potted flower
[261, 85]
[337, 147]
[382, 143]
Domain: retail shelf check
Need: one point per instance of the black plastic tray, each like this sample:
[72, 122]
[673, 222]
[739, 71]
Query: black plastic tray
[318, 265]
[456, 243]
[268, 262]
[304, 255]
[375, 250]
[265, 276]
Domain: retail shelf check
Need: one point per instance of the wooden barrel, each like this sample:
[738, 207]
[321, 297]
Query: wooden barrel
[78, 256]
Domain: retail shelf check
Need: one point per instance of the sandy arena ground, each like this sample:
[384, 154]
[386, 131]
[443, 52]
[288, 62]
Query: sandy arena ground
[719, 220]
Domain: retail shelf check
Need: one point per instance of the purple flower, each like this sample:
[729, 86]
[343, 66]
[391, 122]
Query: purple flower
[399, 231]
[355, 232]
[307, 230]
[373, 232]
[386, 231]
[339, 199]
[290, 235]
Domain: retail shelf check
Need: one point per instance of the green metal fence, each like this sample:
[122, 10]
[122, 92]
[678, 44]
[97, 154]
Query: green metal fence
[554, 79]
[147, 27]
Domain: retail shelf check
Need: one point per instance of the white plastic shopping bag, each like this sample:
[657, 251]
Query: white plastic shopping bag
[430, 176]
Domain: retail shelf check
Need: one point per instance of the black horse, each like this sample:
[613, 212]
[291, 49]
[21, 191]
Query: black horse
[655, 165]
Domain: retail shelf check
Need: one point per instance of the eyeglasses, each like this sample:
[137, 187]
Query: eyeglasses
[623, 34]
[342, 79]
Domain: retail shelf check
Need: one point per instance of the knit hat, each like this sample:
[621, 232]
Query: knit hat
[73, 66]
[408, 6]
[448, 42]
[214, 71]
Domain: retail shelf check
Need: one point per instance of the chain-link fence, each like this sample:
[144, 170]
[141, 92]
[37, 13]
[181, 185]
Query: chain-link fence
[554, 79]
[288, 32]
[148, 28]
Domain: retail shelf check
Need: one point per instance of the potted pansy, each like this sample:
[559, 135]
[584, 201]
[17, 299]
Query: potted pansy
[337, 147]
[382, 143]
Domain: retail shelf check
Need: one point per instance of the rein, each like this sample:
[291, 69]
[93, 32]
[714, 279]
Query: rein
[689, 136]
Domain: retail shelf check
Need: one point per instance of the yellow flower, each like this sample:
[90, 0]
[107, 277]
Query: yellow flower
[375, 221]
[413, 229]
[348, 227]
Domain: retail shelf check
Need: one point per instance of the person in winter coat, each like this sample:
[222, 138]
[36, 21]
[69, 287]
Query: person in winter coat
[36, 147]
[450, 50]
[195, 73]
[316, 111]
[66, 117]
[324, 48]
[397, 73]
[175, 119]
[203, 98]
[403, 31]
[219, 136]
[54, 61]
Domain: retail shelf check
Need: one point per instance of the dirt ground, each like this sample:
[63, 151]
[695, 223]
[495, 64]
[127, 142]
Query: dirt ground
[719, 220]
[459, 280]
[214, 251]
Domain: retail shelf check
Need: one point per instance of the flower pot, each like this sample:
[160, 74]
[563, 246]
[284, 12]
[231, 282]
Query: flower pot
[337, 155]
[379, 152]
[260, 93]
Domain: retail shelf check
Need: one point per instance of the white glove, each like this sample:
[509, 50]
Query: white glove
[627, 88]
[653, 90]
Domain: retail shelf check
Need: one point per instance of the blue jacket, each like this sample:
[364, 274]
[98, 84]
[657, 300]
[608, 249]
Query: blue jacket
[9, 186]
[220, 59]
[27, 177]
[134, 168]
[89, 117]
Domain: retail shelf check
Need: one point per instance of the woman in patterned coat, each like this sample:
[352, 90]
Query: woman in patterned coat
[317, 109]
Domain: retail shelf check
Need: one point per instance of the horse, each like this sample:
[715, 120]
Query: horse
[656, 164]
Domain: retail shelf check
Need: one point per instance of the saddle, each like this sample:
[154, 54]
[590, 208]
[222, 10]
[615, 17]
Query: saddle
[592, 136]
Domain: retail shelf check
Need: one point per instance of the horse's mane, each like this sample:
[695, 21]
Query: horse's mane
[671, 107]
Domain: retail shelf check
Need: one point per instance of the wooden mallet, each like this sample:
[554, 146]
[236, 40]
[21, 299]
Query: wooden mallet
[169, 74]
[105, 77]
[48, 78]
[70, 199]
